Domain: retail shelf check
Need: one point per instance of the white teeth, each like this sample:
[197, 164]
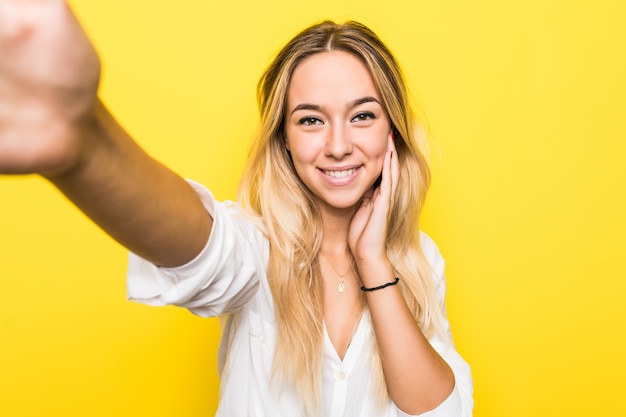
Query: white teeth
[340, 174]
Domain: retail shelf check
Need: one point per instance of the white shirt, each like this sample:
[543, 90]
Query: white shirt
[228, 279]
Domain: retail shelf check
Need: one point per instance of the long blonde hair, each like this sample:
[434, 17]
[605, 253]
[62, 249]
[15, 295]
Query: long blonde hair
[271, 190]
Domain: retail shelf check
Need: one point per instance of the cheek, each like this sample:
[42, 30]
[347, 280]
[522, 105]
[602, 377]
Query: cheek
[303, 149]
[302, 157]
[379, 156]
[380, 151]
[302, 154]
[378, 141]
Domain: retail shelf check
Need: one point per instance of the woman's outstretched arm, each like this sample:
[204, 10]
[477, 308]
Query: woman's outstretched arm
[52, 123]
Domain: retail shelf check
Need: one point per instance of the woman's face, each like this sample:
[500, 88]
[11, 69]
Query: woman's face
[336, 128]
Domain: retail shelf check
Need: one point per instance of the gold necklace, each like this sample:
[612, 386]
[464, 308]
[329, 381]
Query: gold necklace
[341, 287]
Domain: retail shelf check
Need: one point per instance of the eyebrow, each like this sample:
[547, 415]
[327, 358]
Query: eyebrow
[352, 104]
[363, 100]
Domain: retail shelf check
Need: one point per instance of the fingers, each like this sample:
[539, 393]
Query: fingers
[19, 19]
[395, 167]
[389, 174]
[43, 44]
[49, 74]
[386, 182]
[8, 20]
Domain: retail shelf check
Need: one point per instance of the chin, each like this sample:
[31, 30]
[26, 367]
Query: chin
[346, 203]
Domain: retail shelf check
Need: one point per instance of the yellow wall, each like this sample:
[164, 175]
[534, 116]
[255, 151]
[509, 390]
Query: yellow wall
[526, 102]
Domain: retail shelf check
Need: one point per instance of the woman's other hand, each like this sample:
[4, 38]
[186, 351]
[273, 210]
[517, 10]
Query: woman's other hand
[368, 229]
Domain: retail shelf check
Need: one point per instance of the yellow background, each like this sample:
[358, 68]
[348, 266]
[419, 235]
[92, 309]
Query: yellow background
[526, 102]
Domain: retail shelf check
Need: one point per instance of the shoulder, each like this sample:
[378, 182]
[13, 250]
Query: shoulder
[432, 254]
[228, 215]
[435, 261]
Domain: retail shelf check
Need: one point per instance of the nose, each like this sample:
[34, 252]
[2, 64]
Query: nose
[338, 142]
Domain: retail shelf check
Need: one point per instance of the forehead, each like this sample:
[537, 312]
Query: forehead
[334, 76]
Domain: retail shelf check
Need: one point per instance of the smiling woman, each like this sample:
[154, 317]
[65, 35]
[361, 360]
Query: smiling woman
[335, 182]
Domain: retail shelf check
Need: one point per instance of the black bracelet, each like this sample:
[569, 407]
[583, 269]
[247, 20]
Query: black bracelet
[389, 284]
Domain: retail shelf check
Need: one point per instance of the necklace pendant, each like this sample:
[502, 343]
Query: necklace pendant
[341, 287]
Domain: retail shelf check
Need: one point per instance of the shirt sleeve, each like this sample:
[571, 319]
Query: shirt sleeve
[221, 279]
[460, 402]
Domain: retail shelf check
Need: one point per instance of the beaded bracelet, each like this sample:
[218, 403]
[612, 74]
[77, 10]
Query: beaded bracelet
[389, 284]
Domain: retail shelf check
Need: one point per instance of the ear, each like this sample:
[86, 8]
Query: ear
[286, 142]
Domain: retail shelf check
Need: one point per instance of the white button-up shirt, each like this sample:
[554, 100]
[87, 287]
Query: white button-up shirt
[228, 279]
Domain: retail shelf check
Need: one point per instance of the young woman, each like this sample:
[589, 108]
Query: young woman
[331, 298]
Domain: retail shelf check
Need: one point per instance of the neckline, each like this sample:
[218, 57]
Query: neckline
[355, 344]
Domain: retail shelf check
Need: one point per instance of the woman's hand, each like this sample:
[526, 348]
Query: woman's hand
[49, 74]
[368, 229]
[52, 123]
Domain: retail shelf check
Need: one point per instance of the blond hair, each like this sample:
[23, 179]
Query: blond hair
[271, 190]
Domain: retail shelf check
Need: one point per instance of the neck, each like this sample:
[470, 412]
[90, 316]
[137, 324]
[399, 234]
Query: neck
[335, 228]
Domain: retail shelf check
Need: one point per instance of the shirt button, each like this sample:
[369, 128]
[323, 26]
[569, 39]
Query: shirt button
[342, 376]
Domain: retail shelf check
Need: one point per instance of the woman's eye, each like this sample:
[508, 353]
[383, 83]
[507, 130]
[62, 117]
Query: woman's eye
[310, 121]
[363, 116]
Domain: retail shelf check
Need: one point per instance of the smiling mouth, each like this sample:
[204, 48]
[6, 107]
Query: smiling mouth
[340, 174]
